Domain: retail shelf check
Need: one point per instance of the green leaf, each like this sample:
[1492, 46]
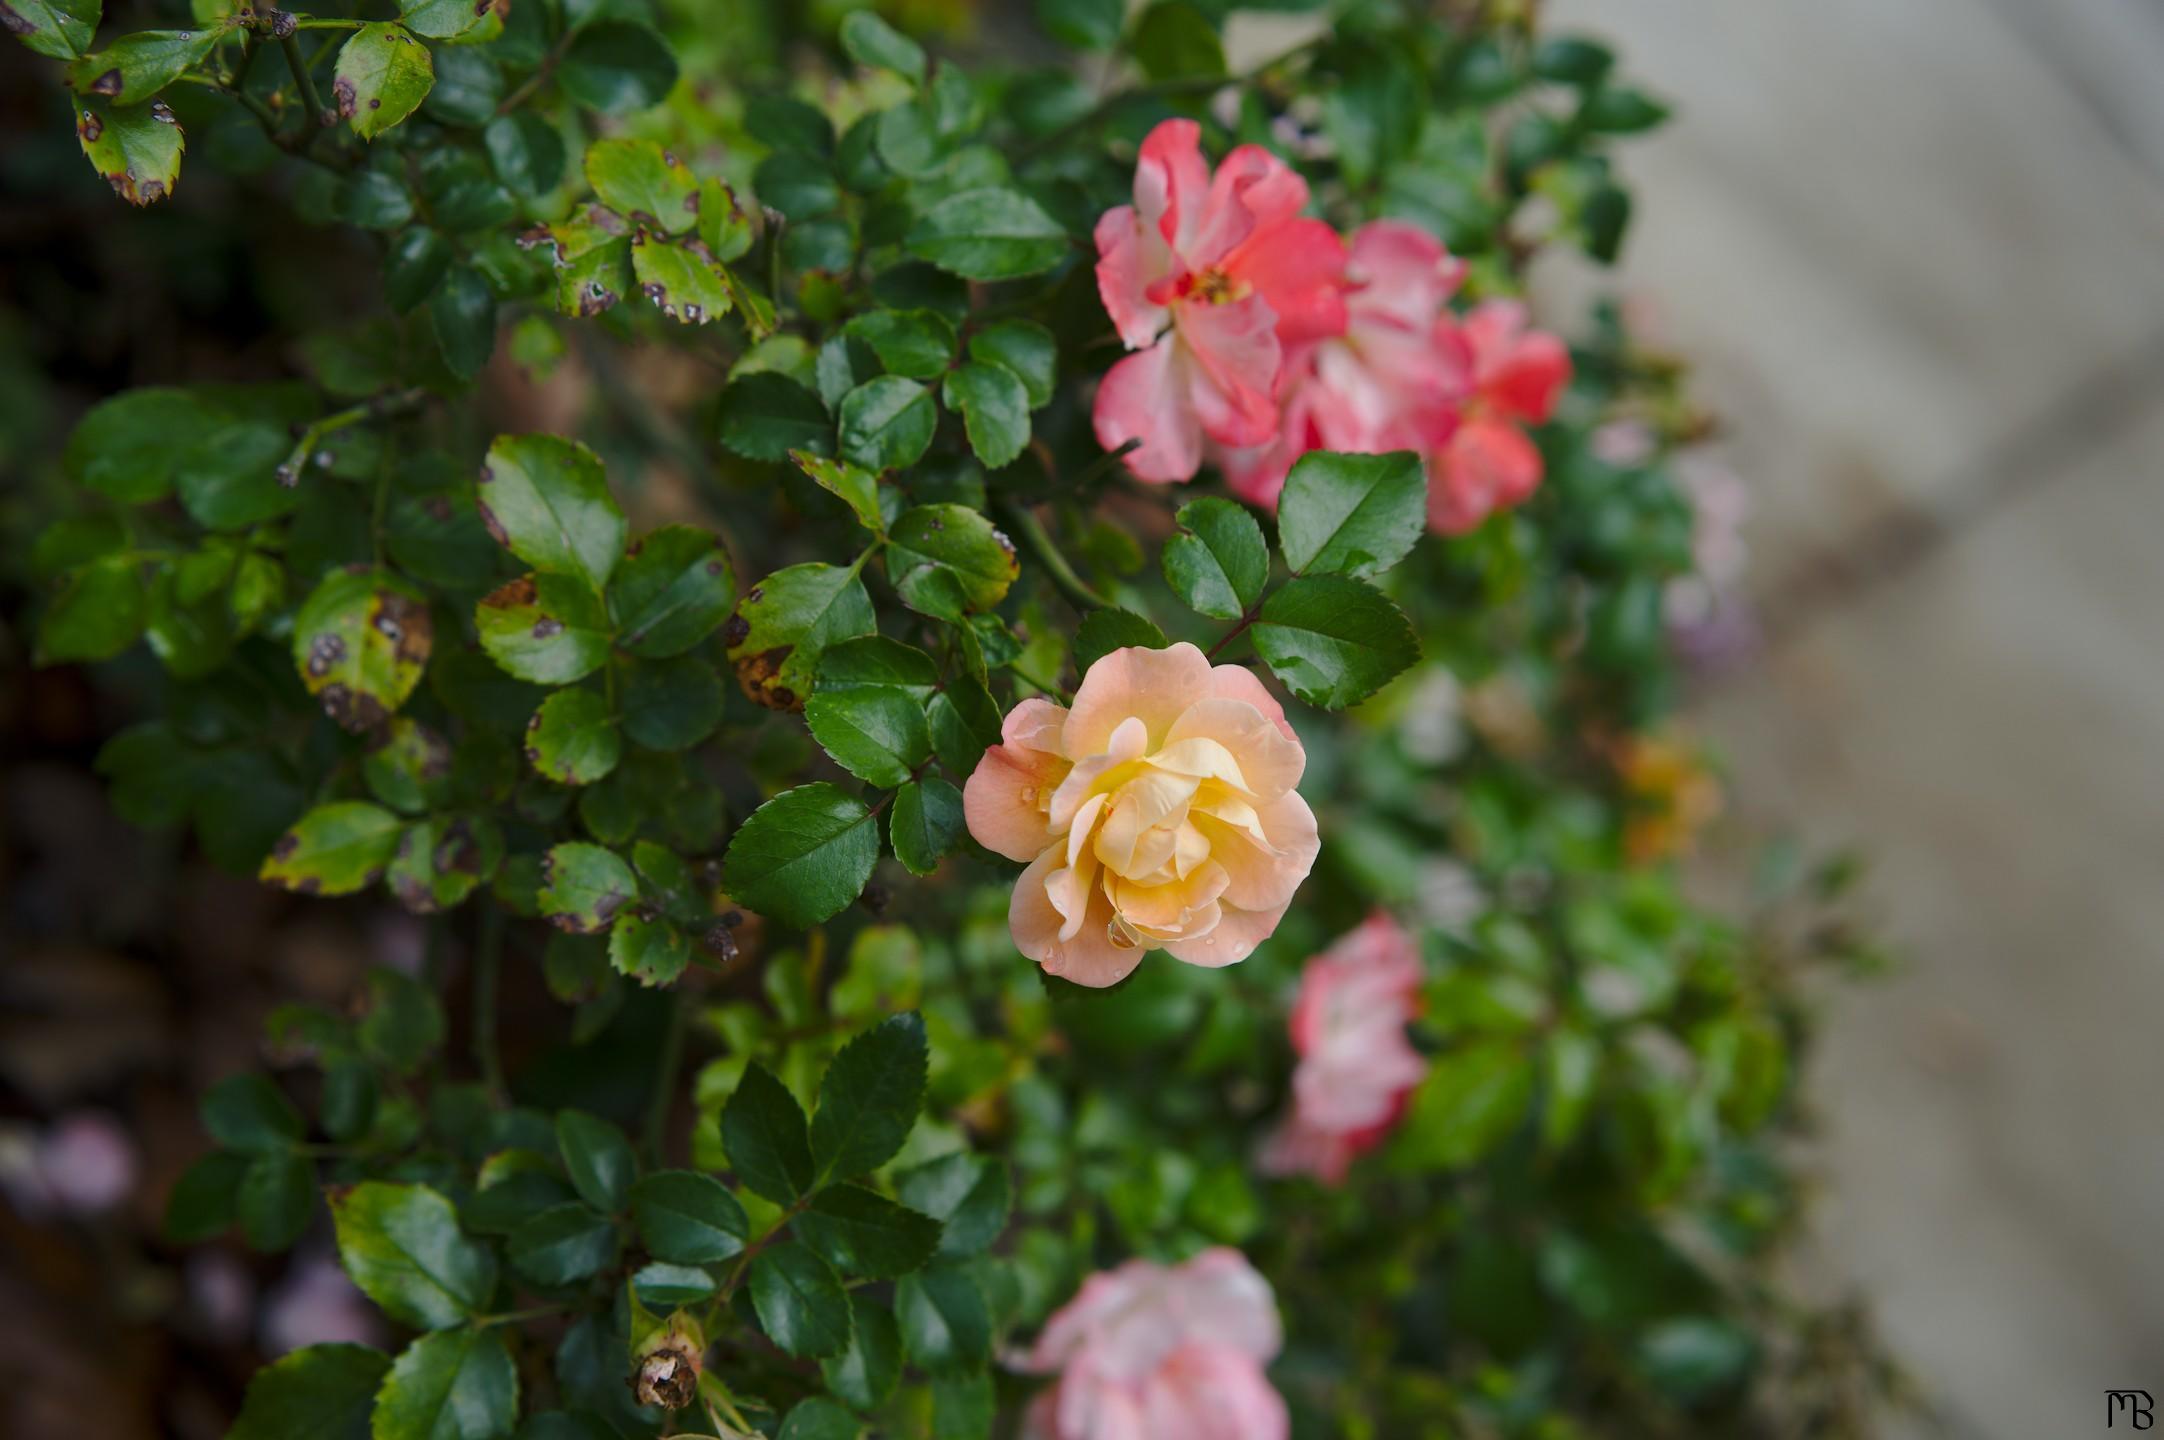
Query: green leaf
[573, 739]
[1471, 1098]
[671, 704]
[876, 662]
[946, 560]
[360, 643]
[449, 19]
[401, 1244]
[989, 234]
[688, 1218]
[926, 823]
[562, 1245]
[995, 411]
[816, 1417]
[408, 766]
[674, 586]
[137, 66]
[442, 860]
[876, 734]
[524, 149]
[97, 612]
[453, 1385]
[277, 1198]
[858, 488]
[1217, 563]
[800, 1301]
[463, 312]
[229, 479]
[127, 447]
[249, 1112]
[861, 1232]
[401, 1024]
[648, 948]
[766, 1138]
[1351, 514]
[866, 1373]
[383, 75]
[321, 1392]
[584, 886]
[639, 179]
[964, 1405]
[1175, 41]
[414, 266]
[59, 29]
[965, 723]
[684, 284]
[945, 1323]
[1620, 110]
[785, 622]
[886, 423]
[1572, 60]
[549, 629]
[1083, 24]
[206, 1199]
[1026, 348]
[968, 1194]
[766, 416]
[334, 849]
[803, 855]
[617, 67]
[918, 344]
[1104, 631]
[869, 1098]
[1334, 641]
[872, 42]
[135, 148]
[547, 500]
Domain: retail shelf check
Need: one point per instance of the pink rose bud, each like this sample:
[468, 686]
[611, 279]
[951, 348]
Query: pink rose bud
[1158, 813]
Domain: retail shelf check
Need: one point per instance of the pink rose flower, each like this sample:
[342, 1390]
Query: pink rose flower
[1514, 376]
[1158, 813]
[1206, 278]
[1154, 1352]
[1356, 1066]
[1384, 384]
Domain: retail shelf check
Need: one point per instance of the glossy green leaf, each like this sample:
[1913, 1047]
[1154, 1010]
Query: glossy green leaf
[137, 66]
[925, 823]
[1217, 562]
[944, 1321]
[675, 585]
[767, 1139]
[876, 734]
[802, 856]
[249, 1112]
[205, 1201]
[127, 446]
[97, 611]
[584, 886]
[639, 179]
[562, 1245]
[994, 406]
[573, 739]
[1174, 40]
[400, 1024]
[1103, 631]
[334, 849]
[452, 1385]
[869, 1098]
[989, 234]
[865, 1373]
[1334, 641]
[276, 1200]
[60, 29]
[618, 67]
[857, 487]
[861, 1232]
[688, 1218]
[647, 947]
[1084, 24]
[968, 1194]
[408, 766]
[886, 423]
[401, 1244]
[1470, 1099]
[383, 75]
[136, 149]
[1351, 514]
[1026, 348]
[765, 416]
[549, 629]
[918, 344]
[786, 621]
[671, 704]
[319, 1392]
[946, 560]
[800, 1301]
[547, 500]
[462, 310]
[442, 860]
[871, 41]
[524, 149]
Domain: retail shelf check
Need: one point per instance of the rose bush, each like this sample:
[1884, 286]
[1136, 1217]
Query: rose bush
[796, 546]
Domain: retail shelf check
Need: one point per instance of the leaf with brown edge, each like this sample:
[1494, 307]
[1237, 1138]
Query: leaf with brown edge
[361, 642]
[137, 148]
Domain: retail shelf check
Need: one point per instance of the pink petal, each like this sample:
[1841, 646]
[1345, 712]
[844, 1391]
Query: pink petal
[1145, 397]
[1172, 181]
[1126, 265]
[1210, 1392]
[1235, 937]
[1090, 958]
[1222, 1299]
[1264, 879]
[1003, 801]
[1400, 272]
[1298, 267]
[1487, 465]
[1237, 682]
[1154, 686]
[1529, 380]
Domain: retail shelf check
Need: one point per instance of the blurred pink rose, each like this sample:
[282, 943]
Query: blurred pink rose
[1207, 277]
[1158, 813]
[1154, 1352]
[84, 1164]
[1356, 1066]
[315, 1305]
[1515, 375]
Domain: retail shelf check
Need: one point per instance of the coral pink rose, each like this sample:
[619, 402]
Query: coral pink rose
[1158, 813]
[1356, 1066]
[1207, 277]
[1384, 384]
[1154, 1352]
[1515, 376]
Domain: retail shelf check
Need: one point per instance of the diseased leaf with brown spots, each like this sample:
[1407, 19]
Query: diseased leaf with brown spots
[137, 148]
[549, 629]
[383, 76]
[334, 849]
[136, 67]
[687, 286]
[58, 28]
[584, 886]
[782, 624]
[361, 642]
[640, 179]
[442, 861]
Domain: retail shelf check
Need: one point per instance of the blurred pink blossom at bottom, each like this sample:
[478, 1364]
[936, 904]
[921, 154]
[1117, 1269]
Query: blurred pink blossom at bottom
[1157, 1352]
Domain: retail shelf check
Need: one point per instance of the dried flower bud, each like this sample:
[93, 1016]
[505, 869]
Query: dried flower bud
[669, 1360]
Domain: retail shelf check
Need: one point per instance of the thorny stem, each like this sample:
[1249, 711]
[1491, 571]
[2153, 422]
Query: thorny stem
[487, 970]
[664, 1096]
[1032, 533]
[380, 407]
[307, 82]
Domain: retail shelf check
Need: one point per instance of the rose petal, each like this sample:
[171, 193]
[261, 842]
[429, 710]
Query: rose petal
[1145, 397]
[1154, 686]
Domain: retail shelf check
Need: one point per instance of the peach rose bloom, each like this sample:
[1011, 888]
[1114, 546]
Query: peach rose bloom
[1158, 813]
[1157, 1352]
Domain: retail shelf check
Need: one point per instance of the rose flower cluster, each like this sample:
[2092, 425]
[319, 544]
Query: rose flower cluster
[1260, 334]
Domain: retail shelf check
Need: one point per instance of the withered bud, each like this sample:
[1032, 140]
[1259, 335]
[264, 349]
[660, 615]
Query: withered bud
[669, 1375]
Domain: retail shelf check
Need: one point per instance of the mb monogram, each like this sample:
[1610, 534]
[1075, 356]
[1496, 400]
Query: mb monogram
[2134, 1404]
